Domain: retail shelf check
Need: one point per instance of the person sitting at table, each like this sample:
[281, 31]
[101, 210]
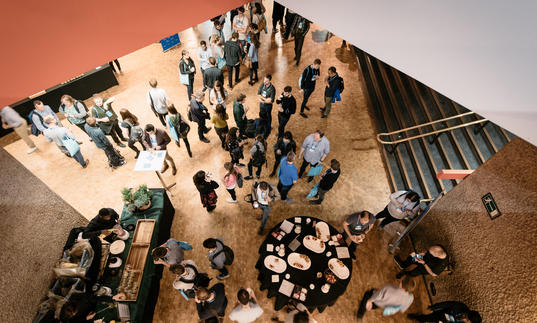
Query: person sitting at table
[297, 317]
[170, 253]
[211, 302]
[102, 223]
[431, 262]
[356, 226]
[390, 297]
[246, 309]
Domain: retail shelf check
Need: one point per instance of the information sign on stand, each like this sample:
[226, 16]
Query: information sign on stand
[170, 42]
[152, 161]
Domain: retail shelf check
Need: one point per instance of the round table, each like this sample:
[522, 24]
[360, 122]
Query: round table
[315, 298]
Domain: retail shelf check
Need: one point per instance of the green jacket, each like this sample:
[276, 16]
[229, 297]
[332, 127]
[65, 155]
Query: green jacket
[238, 113]
[99, 112]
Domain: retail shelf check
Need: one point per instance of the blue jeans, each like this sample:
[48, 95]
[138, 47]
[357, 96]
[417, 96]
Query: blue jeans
[266, 211]
[80, 159]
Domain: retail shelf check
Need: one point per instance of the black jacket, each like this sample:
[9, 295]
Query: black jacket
[300, 27]
[288, 106]
[183, 68]
[333, 84]
[455, 309]
[232, 52]
[97, 224]
[218, 305]
[211, 75]
[328, 179]
[291, 146]
[198, 112]
[306, 81]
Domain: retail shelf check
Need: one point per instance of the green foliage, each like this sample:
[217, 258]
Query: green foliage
[140, 197]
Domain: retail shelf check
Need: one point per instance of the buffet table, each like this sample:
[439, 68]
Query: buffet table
[295, 264]
[142, 309]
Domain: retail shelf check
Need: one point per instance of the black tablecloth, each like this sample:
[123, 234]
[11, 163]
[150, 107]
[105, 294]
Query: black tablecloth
[315, 299]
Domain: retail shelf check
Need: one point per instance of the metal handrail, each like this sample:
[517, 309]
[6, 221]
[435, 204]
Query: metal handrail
[428, 133]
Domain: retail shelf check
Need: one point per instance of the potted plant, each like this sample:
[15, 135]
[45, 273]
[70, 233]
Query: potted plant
[137, 200]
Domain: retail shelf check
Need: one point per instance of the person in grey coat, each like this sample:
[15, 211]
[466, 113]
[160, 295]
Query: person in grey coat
[198, 114]
[390, 297]
[57, 134]
[314, 150]
[232, 54]
[217, 257]
[43, 111]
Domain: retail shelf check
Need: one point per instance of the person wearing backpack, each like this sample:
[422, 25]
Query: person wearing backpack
[402, 204]
[307, 82]
[258, 159]
[206, 186]
[301, 26]
[234, 145]
[38, 114]
[218, 256]
[12, 120]
[114, 158]
[334, 87]
[107, 119]
[179, 128]
[74, 111]
[185, 277]
[263, 195]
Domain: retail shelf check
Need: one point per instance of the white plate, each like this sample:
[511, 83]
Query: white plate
[323, 231]
[299, 261]
[338, 268]
[313, 244]
[117, 247]
[125, 236]
[117, 264]
[275, 264]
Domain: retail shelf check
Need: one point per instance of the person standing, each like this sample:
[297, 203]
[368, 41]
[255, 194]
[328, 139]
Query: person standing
[12, 120]
[114, 158]
[185, 277]
[230, 180]
[203, 56]
[218, 94]
[246, 310]
[158, 101]
[252, 56]
[333, 87]
[74, 111]
[301, 28]
[314, 150]
[239, 113]
[212, 75]
[328, 179]
[107, 119]
[240, 25]
[217, 256]
[278, 11]
[390, 297]
[289, 19]
[179, 128]
[258, 158]
[232, 54]
[130, 121]
[287, 175]
[448, 312]
[234, 145]
[218, 31]
[286, 109]
[211, 303]
[39, 114]
[219, 119]
[309, 77]
[187, 71]
[157, 139]
[402, 204]
[431, 262]
[218, 53]
[198, 114]
[169, 253]
[355, 227]
[266, 95]
[263, 194]
[283, 146]
[206, 187]
[58, 135]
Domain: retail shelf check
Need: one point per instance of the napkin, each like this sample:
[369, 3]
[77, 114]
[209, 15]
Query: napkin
[286, 288]
[294, 244]
[342, 252]
[286, 226]
[275, 278]
[270, 247]
[298, 220]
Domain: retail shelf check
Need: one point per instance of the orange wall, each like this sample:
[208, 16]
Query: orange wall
[47, 42]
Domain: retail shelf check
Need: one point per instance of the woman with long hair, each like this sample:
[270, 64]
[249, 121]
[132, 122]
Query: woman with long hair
[187, 70]
[206, 187]
[230, 180]
[253, 57]
[130, 122]
[218, 51]
[234, 145]
[220, 123]
[178, 127]
[218, 94]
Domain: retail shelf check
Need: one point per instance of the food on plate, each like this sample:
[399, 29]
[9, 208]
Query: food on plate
[296, 264]
[276, 259]
[331, 267]
[306, 258]
[340, 263]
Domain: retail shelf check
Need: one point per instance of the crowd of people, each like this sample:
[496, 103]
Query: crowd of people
[214, 57]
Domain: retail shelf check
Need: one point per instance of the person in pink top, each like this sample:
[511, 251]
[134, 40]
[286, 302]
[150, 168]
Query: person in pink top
[230, 180]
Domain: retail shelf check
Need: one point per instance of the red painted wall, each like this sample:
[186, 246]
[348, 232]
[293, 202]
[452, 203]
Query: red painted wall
[47, 42]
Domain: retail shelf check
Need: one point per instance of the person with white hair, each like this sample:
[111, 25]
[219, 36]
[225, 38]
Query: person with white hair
[60, 136]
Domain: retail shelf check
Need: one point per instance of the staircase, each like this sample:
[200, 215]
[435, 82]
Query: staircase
[398, 101]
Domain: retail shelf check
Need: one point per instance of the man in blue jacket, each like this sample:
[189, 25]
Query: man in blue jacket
[288, 176]
[333, 87]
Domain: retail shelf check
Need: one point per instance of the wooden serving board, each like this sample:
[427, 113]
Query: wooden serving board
[133, 271]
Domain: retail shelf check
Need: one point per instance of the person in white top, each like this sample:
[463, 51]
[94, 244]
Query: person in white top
[158, 101]
[246, 309]
[204, 53]
[240, 25]
[218, 95]
[185, 273]
[402, 204]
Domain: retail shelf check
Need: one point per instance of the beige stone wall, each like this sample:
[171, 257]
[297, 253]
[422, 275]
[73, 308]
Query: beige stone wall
[34, 226]
[495, 260]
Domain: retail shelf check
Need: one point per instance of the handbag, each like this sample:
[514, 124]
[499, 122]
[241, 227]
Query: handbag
[183, 78]
[313, 192]
[173, 131]
[221, 62]
[248, 62]
[71, 145]
[315, 170]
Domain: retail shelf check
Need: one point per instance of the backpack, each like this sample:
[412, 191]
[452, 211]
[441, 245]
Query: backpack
[76, 108]
[33, 129]
[341, 85]
[262, 23]
[250, 128]
[258, 159]
[228, 252]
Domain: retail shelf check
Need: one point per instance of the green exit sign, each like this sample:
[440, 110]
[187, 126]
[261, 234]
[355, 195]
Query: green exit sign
[491, 206]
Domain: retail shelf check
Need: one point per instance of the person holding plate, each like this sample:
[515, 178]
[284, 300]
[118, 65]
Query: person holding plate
[356, 226]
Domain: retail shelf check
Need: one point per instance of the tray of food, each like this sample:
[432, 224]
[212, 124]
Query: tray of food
[277, 265]
[323, 231]
[299, 261]
[338, 268]
[314, 244]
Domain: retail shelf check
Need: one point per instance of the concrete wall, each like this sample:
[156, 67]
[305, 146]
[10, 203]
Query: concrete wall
[34, 228]
[495, 260]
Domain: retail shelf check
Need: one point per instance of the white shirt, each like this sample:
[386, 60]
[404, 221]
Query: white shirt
[190, 274]
[153, 140]
[240, 23]
[246, 316]
[203, 56]
[408, 209]
[262, 196]
[159, 98]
